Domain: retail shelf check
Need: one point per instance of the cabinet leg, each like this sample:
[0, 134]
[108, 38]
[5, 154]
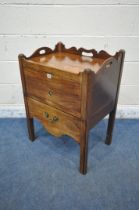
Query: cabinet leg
[83, 153]
[30, 126]
[110, 127]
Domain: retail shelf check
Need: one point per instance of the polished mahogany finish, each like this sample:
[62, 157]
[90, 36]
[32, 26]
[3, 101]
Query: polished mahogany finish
[70, 91]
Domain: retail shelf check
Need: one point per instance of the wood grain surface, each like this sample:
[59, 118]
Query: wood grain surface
[64, 125]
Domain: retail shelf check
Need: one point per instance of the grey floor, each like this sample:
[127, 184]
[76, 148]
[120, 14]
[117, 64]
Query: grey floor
[43, 175]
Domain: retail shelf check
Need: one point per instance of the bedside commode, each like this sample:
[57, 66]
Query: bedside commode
[70, 91]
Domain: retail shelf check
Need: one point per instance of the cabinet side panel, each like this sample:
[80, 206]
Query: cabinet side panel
[105, 91]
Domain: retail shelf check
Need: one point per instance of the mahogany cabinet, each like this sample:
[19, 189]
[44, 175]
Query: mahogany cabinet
[70, 91]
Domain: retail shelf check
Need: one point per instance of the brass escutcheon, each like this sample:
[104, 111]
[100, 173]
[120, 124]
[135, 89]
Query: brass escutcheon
[46, 114]
[50, 92]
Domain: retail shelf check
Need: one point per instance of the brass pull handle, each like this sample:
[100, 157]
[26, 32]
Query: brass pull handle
[53, 119]
[50, 92]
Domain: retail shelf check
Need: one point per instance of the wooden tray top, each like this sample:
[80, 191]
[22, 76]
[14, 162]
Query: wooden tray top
[70, 60]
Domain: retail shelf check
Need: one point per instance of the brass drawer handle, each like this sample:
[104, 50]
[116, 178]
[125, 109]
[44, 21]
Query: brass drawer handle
[53, 119]
[50, 92]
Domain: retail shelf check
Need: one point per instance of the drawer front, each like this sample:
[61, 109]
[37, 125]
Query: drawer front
[56, 122]
[54, 90]
[58, 73]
